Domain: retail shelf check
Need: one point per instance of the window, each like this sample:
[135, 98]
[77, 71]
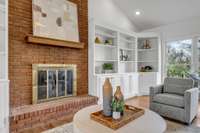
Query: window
[179, 58]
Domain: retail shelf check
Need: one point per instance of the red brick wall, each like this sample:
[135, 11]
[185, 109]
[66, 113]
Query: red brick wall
[22, 55]
[40, 117]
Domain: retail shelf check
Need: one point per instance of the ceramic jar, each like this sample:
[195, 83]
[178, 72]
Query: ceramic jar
[116, 115]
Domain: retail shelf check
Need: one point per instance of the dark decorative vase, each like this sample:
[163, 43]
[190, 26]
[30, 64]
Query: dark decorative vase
[107, 98]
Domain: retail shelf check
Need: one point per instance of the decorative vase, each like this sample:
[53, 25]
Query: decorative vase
[119, 97]
[118, 94]
[116, 115]
[107, 98]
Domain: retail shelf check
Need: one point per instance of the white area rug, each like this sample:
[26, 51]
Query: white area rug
[172, 127]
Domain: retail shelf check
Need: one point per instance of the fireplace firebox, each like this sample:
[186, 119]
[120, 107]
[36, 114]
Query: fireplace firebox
[53, 81]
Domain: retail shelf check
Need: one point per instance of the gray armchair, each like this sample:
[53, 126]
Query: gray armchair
[176, 99]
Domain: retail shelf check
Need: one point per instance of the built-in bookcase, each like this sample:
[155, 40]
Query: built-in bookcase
[148, 54]
[127, 53]
[113, 47]
[105, 49]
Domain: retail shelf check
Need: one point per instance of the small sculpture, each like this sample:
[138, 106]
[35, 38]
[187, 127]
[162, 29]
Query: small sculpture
[97, 40]
[109, 42]
[146, 44]
[123, 57]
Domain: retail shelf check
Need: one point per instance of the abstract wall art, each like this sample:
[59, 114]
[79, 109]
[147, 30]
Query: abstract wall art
[57, 19]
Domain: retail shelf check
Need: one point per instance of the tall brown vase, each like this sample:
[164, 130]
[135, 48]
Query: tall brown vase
[107, 98]
[119, 97]
[118, 94]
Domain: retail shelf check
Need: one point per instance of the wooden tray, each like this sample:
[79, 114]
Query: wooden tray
[130, 113]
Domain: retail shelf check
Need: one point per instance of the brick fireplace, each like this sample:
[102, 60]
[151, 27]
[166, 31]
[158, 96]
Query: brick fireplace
[22, 55]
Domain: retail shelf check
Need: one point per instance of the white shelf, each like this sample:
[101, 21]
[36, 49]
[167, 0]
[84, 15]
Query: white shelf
[147, 61]
[128, 49]
[128, 61]
[105, 45]
[107, 74]
[127, 41]
[102, 60]
[105, 35]
[146, 50]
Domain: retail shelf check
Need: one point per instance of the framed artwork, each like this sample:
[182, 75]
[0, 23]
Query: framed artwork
[56, 19]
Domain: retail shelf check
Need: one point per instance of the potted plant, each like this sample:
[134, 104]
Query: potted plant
[108, 67]
[117, 108]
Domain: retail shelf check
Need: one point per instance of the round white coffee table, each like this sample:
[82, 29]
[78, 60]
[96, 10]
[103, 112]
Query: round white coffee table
[150, 122]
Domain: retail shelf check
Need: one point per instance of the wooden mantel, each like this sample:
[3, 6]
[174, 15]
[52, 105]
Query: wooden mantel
[53, 42]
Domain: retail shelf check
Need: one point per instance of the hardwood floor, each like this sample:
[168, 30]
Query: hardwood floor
[143, 101]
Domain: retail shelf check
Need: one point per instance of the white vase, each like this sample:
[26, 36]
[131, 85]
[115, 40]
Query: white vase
[116, 115]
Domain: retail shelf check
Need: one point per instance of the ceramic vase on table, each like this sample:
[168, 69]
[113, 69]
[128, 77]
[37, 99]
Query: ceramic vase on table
[107, 98]
[119, 97]
[118, 94]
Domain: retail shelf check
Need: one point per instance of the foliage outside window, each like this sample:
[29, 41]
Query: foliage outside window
[179, 58]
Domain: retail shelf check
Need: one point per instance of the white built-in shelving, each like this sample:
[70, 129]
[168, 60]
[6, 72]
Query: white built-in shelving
[105, 53]
[125, 51]
[148, 57]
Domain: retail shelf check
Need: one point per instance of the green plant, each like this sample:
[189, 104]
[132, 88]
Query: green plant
[108, 66]
[117, 106]
[177, 70]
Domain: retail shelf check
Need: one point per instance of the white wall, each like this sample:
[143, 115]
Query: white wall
[107, 13]
[178, 30]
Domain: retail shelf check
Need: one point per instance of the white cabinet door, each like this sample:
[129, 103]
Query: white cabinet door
[146, 80]
[128, 85]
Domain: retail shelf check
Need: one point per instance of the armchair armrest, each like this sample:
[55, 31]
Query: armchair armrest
[155, 90]
[191, 97]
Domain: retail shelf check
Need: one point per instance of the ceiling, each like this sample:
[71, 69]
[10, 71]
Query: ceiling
[155, 13]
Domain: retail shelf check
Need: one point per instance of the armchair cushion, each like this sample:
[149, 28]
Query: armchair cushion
[177, 86]
[169, 99]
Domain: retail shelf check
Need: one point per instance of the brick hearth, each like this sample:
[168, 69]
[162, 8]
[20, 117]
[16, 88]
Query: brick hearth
[47, 115]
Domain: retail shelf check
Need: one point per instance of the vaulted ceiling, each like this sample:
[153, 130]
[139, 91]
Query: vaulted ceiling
[155, 13]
